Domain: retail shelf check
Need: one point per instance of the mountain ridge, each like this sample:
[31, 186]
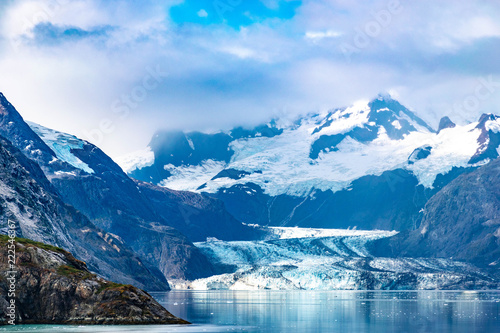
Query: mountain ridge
[324, 170]
[87, 179]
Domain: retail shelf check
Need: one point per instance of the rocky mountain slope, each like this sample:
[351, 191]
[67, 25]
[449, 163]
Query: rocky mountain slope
[52, 287]
[462, 221]
[146, 218]
[372, 165]
[29, 200]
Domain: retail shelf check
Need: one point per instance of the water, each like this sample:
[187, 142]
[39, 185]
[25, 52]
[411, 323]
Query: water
[317, 311]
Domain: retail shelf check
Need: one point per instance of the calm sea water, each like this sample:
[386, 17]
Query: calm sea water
[316, 311]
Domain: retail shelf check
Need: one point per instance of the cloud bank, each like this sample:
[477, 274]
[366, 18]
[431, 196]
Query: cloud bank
[127, 68]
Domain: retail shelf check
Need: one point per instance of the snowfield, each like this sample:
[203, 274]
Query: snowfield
[296, 232]
[136, 160]
[282, 164]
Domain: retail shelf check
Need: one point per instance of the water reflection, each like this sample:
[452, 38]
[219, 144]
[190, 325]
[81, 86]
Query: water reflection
[340, 311]
[316, 311]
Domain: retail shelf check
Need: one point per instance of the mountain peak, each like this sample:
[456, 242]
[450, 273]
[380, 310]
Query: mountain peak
[397, 119]
[385, 96]
[6, 108]
[14, 128]
[485, 117]
[444, 123]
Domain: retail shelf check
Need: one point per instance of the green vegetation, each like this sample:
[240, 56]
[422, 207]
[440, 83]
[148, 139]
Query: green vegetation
[66, 270]
[112, 285]
[4, 239]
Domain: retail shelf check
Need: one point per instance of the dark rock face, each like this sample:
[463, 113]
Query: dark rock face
[41, 215]
[391, 201]
[231, 173]
[461, 221]
[420, 153]
[489, 141]
[325, 142]
[18, 132]
[384, 111]
[55, 288]
[197, 216]
[178, 148]
[444, 123]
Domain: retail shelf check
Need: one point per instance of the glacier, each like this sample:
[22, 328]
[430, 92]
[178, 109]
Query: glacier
[326, 259]
[62, 144]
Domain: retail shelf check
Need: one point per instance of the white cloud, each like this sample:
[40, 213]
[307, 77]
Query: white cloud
[318, 35]
[431, 55]
[202, 13]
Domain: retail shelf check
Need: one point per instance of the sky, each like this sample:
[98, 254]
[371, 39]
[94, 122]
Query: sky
[115, 71]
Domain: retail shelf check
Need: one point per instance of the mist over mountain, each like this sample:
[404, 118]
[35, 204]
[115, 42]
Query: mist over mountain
[370, 195]
[372, 165]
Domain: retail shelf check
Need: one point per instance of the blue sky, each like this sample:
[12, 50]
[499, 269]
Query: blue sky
[213, 64]
[233, 13]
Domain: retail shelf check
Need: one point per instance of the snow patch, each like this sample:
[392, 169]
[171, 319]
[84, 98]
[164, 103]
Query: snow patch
[451, 148]
[62, 144]
[493, 125]
[342, 121]
[189, 178]
[296, 232]
[65, 173]
[190, 142]
[137, 160]
[396, 124]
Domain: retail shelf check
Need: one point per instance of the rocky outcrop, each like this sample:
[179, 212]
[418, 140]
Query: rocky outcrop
[445, 123]
[52, 287]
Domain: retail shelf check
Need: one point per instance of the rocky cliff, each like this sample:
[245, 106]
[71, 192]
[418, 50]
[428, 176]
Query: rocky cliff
[55, 288]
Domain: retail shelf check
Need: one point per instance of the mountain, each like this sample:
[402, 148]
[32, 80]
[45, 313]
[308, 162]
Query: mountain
[462, 221]
[29, 200]
[372, 165]
[55, 288]
[145, 217]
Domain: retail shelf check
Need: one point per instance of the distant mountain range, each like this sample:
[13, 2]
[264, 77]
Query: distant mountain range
[372, 166]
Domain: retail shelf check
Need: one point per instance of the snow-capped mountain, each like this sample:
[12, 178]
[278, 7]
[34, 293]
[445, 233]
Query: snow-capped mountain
[375, 165]
[328, 259]
[299, 172]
